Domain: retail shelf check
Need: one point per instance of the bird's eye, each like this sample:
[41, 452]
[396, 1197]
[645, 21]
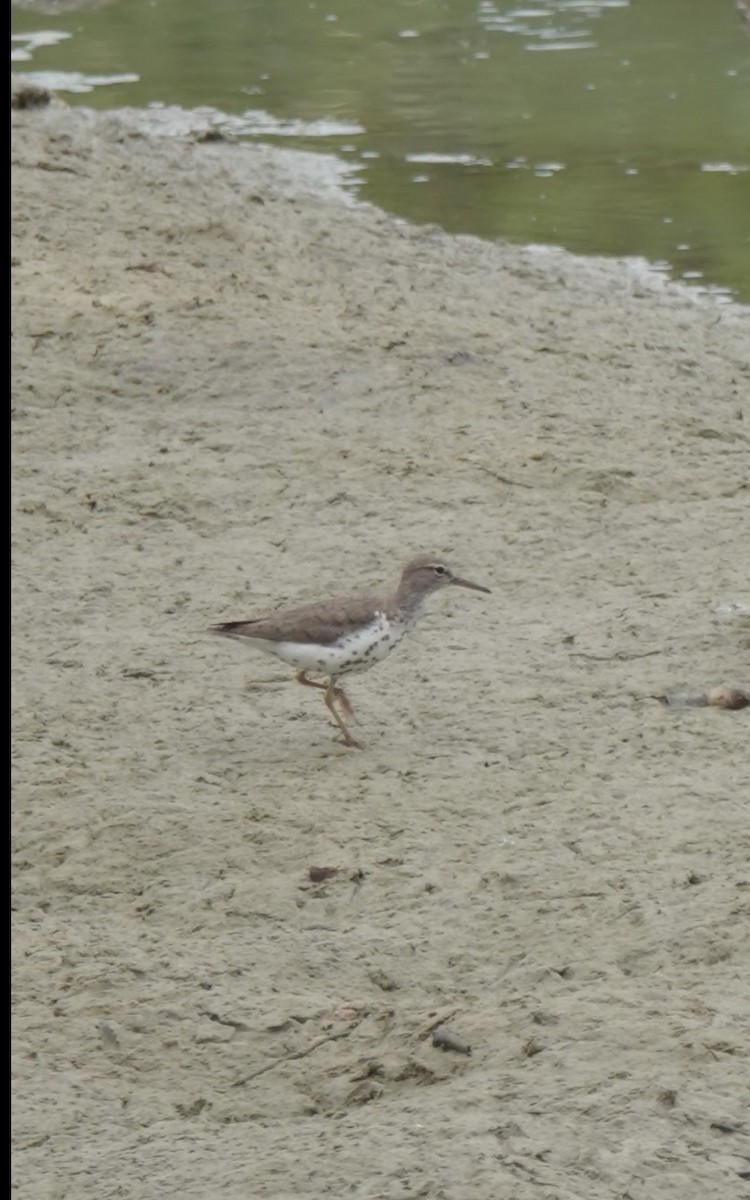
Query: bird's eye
[439, 570]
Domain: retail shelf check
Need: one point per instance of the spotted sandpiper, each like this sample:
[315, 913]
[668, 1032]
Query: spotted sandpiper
[340, 636]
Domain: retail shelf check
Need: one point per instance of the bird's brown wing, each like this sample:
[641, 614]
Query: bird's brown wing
[318, 624]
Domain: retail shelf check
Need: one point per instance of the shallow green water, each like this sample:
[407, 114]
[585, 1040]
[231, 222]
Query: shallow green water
[606, 126]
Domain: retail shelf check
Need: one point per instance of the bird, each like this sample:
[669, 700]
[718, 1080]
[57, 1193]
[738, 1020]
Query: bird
[340, 636]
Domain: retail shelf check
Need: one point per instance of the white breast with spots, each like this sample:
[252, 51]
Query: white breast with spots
[355, 651]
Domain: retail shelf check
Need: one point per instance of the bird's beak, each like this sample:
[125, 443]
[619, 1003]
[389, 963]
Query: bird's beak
[475, 587]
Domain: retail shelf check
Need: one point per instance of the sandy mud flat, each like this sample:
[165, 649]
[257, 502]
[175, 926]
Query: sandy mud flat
[232, 389]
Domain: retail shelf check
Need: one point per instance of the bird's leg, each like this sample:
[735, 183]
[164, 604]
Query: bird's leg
[331, 693]
[338, 692]
[301, 677]
[343, 700]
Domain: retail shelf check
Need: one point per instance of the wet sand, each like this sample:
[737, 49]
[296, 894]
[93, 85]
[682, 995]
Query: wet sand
[232, 389]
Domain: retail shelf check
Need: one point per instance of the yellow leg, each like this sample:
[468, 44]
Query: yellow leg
[338, 692]
[331, 693]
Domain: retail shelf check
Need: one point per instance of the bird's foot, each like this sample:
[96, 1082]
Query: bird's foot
[346, 739]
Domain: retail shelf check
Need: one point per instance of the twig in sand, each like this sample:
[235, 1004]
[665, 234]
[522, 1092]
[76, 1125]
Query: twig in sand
[284, 1058]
